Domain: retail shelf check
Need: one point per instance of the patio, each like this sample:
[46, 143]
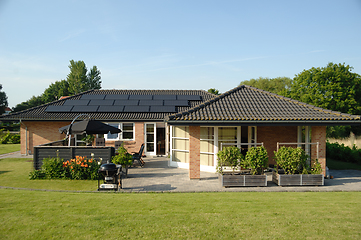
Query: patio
[157, 176]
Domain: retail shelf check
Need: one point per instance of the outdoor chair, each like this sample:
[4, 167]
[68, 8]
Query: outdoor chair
[138, 156]
[117, 144]
[100, 142]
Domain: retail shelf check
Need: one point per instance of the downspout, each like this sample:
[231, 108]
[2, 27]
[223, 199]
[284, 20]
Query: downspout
[26, 138]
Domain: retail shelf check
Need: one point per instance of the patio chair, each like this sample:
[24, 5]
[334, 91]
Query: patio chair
[138, 156]
[117, 144]
[100, 142]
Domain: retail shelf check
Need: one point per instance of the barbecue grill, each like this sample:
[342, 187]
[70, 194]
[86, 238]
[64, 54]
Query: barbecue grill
[110, 176]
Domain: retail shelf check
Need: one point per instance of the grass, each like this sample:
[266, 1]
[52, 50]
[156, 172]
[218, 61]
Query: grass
[225, 215]
[338, 165]
[14, 172]
[8, 148]
[26, 214]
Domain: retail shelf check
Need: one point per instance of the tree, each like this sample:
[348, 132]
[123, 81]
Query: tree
[333, 87]
[56, 90]
[214, 91]
[3, 100]
[79, 80]
[274, 85]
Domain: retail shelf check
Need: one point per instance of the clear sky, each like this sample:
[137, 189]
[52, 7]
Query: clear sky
[167, 44]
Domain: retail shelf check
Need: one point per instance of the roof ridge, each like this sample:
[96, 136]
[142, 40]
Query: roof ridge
[204, 104]
[320, 109]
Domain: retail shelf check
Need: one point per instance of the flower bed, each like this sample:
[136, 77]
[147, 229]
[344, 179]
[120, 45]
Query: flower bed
[79, 168]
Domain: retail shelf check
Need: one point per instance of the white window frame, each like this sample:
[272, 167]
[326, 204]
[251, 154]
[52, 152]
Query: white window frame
[120, 135]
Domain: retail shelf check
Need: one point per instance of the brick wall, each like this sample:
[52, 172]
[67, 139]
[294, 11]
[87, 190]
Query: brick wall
[318, 134]
[39, 133]
[44, 132]
[194, 152]
[273, 134]
[132, 146]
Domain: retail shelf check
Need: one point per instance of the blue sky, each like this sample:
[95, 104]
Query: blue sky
[172, 44]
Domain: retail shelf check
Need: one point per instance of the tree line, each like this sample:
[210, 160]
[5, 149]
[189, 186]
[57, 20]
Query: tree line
[79, 79]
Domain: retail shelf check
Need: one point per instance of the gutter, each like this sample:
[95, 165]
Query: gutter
[263, 123]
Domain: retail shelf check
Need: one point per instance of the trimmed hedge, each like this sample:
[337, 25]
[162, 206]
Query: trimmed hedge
[340, 152]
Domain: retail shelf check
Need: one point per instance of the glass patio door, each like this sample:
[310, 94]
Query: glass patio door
[150, 138]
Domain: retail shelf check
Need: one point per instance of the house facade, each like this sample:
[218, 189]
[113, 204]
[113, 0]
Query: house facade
[190, 126]
[138, 113]
[246, 116]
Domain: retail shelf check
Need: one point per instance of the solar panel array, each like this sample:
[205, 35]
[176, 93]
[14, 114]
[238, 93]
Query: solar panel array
[125, 103]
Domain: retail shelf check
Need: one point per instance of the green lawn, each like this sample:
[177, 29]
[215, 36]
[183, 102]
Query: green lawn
[26, 214]
[60, 215]
[14, 172]
[338, 165]
[8, 148]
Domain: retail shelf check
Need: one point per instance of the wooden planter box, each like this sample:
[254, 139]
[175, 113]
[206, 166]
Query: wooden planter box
[228, 180]
[298, 179]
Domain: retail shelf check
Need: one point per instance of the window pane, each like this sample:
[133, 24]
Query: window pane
[207, 133]
[181, 132]
[207, 146]
[206, 159]
[227, 133]
[150, 147]
[181, 144]
[127, 126]
[127, 135]
[180, 157]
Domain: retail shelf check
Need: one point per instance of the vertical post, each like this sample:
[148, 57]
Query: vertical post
[319, 135]
[194, 152]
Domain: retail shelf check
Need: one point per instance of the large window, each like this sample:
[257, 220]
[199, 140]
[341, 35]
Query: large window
[126, 134]
[207, 146]
[227, 135]
[180, 144]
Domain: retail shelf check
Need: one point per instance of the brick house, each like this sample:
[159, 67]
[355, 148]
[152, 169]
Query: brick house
[138, 113]
[190, 126]
[245, 116]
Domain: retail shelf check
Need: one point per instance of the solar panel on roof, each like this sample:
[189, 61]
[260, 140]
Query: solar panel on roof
[141, 97]
[111, 108]
[151, 102]
[76, 102]
[164, 97]
[126, 102]
[92, 96]
[189, 97]
[101, 102]
[58, 108]
[85, 109]
[117, 96]
[176, 103]
[136, 108]
[168, 109]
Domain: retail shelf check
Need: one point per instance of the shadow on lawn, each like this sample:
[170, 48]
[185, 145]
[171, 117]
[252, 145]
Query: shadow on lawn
[2, 172]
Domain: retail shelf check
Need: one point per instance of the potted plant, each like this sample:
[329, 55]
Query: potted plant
[123, 158]
[244, 169]
[292, 168]
[88, 139]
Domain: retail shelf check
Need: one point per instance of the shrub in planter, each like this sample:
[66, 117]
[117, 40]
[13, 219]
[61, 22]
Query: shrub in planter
[256, 159]
[291, 160]
[229, 156]
[123, 158]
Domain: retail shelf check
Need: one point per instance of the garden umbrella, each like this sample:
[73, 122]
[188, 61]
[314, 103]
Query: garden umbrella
[89, 126]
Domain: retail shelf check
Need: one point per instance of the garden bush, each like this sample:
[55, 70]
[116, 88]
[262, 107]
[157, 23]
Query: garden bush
[79, 168]
[340, 152]
[256, 159]
[291, 160]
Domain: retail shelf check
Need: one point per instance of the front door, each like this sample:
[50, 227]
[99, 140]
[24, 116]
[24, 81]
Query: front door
[150, 138]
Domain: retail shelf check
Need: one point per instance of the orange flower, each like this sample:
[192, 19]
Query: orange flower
[71, 167]
[86, 165]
